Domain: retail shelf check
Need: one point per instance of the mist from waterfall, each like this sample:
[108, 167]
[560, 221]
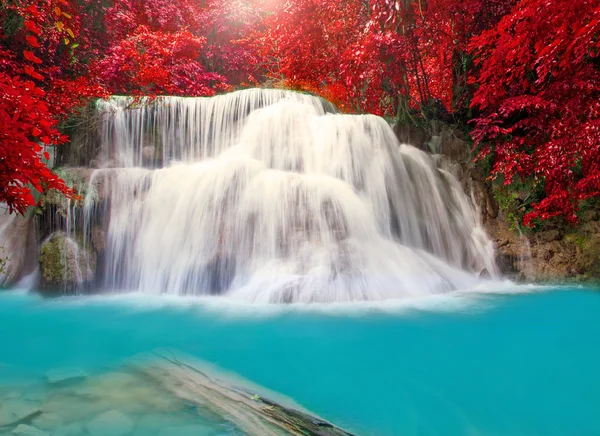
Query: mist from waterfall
[273, 196]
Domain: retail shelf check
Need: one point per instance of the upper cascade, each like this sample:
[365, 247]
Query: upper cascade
[273, 196]
[142, 132]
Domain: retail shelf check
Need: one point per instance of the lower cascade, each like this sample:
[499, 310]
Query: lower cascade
[270, 196]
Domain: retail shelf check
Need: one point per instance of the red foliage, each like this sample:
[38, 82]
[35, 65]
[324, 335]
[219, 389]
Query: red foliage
[27, 124]
[305, 40]
[539, 96]
[152, 62]
[26, 128]
[76, 50]
[375, 55]
[221, 29]
[534, 64]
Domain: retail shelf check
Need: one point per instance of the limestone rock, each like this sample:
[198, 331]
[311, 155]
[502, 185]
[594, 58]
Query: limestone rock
[549, 235]
[111, 423]
[453, 146]
[98, 238]
[148, 155]
[407, 133]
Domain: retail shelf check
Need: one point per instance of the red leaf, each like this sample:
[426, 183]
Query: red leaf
[31, 57]
[30, 71]
[36, 132]
[32, 27]
[32, 40]
[33, 11]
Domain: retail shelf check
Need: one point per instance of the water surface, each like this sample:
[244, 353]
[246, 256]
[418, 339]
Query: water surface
[521, 363]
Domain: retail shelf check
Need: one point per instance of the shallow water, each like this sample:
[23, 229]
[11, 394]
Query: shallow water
[520, 363]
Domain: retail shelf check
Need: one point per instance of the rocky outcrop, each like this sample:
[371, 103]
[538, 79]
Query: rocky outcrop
[39, 240]
[65, 266]
[560, 254]
[556, 254]
[437, 138]
[18, 245]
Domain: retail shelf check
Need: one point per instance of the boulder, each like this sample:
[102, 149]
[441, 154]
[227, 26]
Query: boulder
[64, 265]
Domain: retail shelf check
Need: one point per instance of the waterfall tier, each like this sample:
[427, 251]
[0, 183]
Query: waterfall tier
[272, 196]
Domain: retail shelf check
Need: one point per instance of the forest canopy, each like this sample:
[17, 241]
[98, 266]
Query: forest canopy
[522, 76]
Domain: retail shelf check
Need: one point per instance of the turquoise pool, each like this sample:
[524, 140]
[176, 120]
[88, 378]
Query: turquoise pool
[520, 363]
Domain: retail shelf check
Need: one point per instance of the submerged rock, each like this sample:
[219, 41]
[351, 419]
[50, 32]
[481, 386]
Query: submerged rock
[27, 430]
[73, 429]
[64, 265]
[112, 423]
[13, 412]
[65, 376]
[48, 421]
[238, 405]
[188, 430]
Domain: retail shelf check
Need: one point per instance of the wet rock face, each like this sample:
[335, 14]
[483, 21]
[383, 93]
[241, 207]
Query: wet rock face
[548, 256]
[65, 267]
[574, 256]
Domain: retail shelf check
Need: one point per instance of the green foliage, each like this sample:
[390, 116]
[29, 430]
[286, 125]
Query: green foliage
[12, 22]
[579, 239]
[510, 204]
[588, 258]
[515, 201]
[590, 205]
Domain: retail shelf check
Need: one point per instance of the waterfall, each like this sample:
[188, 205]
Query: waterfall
[273, 196]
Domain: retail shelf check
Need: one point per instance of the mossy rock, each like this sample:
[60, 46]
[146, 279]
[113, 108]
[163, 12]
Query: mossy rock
[589, 261]
[64, 265]
[76, 178]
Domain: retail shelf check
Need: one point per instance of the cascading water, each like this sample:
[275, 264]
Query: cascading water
[272, 196]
